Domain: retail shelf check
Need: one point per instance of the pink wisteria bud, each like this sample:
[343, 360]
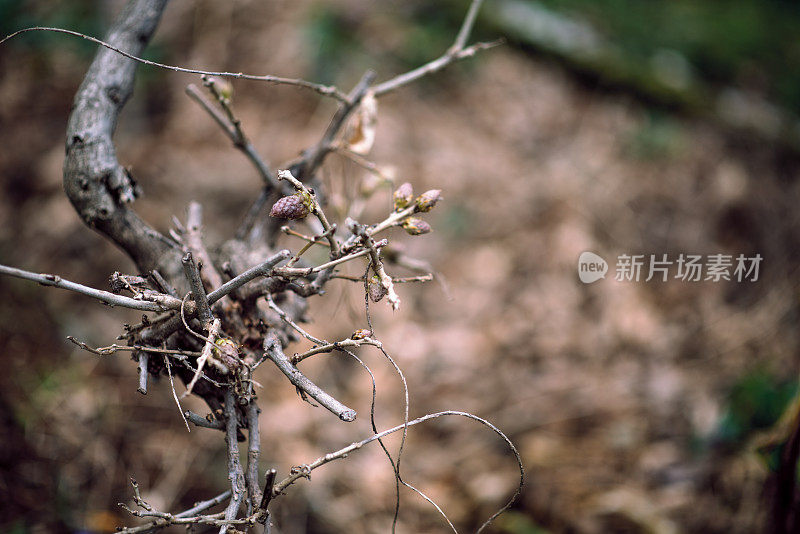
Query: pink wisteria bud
[291, 207]
[402, 196]
[416, 226]
[427, 200]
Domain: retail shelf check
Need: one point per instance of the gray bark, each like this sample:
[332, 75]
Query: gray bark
[99, 188]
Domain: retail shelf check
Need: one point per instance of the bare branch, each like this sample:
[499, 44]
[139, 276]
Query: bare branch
[288, 320]
[192, 273]
[235, 472]
[199, 420]
[311, 239]
[313, 157]
[377, 265]
[143, 358]
[273, 350]
[205, 505]
[294, 272]
[466, 26]
[262, 269]
[155, 303]
[325, 90]
[336, 345]
[111, 349]
[304, 471]
[253, 454]
[232, 128]
[268, 486]
[455, 52]
[99, 188]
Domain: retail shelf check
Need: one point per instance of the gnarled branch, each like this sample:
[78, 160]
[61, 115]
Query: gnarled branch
[99, 188]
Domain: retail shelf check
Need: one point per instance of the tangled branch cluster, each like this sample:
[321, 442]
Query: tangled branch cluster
[218, 315]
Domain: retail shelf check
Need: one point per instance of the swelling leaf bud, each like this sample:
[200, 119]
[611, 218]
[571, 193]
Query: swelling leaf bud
[402, 196]
[361, 333]
[427, 200]
[224, 88]
[416, 226]
[291, 207]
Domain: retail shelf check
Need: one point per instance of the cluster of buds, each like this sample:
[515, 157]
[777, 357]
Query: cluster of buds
[403, 198]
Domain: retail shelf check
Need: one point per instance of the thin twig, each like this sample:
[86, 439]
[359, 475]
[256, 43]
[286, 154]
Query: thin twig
[105, 351]
[175, 395]
[305, 470]
[456, 51]
[336, 345]
[288, 320]
[186, 324]
[325, 90]
[208, 348]
[199, 420]
[406, 406]
[295, 272]
[314, 156]
[155, 303]
[273, 350]
[162, 284]
[205, 505]
[396, 279]
[249, 220]
[362, 162]
[315, 239]
[262, 269]
[232, 128]
[377, 265]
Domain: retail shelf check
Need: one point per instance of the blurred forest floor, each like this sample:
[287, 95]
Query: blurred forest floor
[637, 407]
